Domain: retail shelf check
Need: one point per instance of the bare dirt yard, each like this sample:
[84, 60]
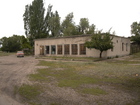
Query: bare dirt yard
[13, 72]
[30, 81]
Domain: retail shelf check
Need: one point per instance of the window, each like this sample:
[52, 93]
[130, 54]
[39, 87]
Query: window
[53, 49]
[59, 49]
[47, 49]
[74, 49]
[126, 46]
[66, 49]
[122, 46]
[82, 49]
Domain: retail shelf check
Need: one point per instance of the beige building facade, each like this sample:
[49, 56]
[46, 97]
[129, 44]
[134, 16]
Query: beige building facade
[74, 46]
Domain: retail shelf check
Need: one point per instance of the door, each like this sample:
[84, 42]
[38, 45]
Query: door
[41, 50]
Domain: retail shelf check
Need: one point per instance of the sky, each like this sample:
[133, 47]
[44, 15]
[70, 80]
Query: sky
[104, 14]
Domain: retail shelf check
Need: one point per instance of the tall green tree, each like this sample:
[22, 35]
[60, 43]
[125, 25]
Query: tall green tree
[34, 23]
[54, 24]
[91, 30]
[68, 26]
[135, 31]
[84, 25]
[24, 43]
[100, 41]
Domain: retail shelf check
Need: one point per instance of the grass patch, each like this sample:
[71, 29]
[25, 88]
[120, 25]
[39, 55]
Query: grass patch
[74, 74]
[29, 92]
[83, 76]
[37, 77]
[136, 55]
[77, 81]
[67, 77]
[93, 91]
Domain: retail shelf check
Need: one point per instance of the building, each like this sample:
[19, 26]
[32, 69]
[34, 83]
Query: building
[74, 46]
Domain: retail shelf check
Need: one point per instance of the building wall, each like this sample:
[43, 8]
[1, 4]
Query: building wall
[40, 46]
[121, 47]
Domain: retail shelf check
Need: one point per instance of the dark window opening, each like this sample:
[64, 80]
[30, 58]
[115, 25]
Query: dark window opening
[74, 49]
[59, 49]
[66, 49]
[47, 49]
[126, 46]
[82, 49]
[53, 49]
[122, 46]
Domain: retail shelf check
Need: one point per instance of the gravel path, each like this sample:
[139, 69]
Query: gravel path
[13, 72]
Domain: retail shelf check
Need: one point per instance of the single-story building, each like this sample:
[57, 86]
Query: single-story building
[74, 46]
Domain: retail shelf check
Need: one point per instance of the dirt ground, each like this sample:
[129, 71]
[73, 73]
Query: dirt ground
[13, 72]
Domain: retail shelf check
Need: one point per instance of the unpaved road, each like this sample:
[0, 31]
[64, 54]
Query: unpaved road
[13, 72]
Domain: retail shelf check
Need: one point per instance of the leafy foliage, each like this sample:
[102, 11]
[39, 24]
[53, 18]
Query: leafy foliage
[100, 41]
[68, 25]
[135, 30]
[52, 21]
[84, 25]
[34, 22]
[11, 44]
[91, 29]
[37, 25]
[14, 43]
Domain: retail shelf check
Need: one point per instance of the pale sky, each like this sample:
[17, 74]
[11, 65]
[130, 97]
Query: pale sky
[118, 14]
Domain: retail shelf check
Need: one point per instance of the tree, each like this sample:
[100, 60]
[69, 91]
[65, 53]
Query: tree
[14, 43]
[135, 31]
[24, 43]
[11, 44]
[84, 25]
[91, 29]
[100, 41]
[34, 22]
[53, 22]
[68, 26]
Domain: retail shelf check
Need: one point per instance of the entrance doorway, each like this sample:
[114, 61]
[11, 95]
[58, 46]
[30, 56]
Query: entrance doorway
[41, 50]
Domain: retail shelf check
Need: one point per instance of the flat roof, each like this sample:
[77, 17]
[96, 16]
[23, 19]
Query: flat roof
[73, 36]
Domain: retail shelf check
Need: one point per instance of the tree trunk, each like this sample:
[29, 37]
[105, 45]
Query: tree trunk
[101, 54]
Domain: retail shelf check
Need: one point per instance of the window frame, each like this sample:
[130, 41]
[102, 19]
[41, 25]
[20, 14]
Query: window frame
[82, 49]
[52, 49]
[74, 49]
[59, 49]
[48, 51]
[66, 49]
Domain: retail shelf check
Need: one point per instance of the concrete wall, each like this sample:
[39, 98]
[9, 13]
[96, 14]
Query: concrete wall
[121, 47]
[117, 50]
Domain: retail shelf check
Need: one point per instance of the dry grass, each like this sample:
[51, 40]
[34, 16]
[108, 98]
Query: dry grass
[4, 53]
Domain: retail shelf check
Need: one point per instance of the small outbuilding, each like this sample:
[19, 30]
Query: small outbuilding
[74, 46]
